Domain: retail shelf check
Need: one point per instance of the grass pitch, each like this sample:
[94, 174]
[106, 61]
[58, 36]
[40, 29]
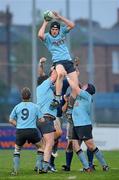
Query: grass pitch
[28, 162]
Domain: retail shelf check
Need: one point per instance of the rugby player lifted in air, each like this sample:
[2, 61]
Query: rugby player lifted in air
[55, 41]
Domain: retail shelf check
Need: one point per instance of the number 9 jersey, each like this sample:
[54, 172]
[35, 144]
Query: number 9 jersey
[25, 114]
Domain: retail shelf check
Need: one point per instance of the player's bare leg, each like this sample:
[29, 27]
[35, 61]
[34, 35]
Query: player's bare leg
[59, 83]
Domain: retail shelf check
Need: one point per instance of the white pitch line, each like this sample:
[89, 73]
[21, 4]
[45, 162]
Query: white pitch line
[115, 168]
[72, 177]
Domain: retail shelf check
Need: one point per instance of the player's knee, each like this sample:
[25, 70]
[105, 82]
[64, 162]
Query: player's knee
[91, 147]
[70, 146]
[60, 75]
[39, 145]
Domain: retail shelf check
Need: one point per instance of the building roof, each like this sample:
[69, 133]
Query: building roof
[106, 36]
[3, 35]
[22, 31]
[16, 33]
[101, 36]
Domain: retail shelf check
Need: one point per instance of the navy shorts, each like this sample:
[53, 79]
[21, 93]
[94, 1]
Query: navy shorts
[47, 126]
[82, 132]
[31, 135]
[68, 65]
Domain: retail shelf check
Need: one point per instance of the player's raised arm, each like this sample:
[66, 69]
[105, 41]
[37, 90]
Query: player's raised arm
[41, 66]
[69, 23]
[41, 32]
[64, 107]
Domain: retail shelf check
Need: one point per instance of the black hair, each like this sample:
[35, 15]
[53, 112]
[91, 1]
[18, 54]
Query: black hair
[41, 79]
[91, 89]
[55, 24]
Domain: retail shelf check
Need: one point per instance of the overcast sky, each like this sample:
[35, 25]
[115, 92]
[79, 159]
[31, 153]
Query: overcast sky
[104, 11]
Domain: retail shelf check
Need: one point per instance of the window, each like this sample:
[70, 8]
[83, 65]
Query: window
[116, 87]
[115, 62]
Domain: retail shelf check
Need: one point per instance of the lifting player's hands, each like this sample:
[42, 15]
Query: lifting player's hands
[52, 68]
[76, 61]
[56, 15]
[66, 99]
[42, 60]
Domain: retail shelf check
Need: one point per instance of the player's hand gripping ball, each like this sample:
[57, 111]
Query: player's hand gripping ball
[48, 15]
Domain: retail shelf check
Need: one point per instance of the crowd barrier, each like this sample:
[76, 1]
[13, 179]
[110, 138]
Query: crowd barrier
[7, 138]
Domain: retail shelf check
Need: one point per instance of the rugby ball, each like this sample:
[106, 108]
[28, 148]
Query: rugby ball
[48, 15]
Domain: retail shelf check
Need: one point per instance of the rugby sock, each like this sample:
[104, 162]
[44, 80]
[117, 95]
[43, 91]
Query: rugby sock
[16, 161]
[45, 166]
[54, 151]
[52, 159]
[69, 156]
[82, 158]
[90, 156]
[39, 160]
[55, 146]
[99, 156]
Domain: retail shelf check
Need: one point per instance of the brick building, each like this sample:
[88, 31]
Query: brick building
[106, 54]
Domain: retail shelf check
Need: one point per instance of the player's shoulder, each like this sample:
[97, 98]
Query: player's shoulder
[84, 94]
[64, 28]
[18, 105]
[47, 35]
[32, 104]
[35, 105]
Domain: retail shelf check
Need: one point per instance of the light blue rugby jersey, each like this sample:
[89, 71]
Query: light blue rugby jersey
[57, 45]
[45, 96]
[26, 114]
[82, 109]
